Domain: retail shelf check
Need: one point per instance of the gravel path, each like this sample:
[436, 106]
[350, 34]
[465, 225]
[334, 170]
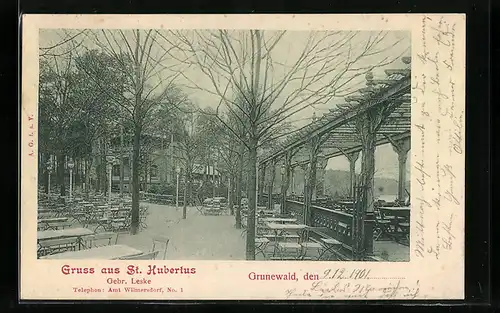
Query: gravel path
[198, 237]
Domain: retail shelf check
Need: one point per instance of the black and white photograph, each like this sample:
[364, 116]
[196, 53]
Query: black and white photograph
[224, 144]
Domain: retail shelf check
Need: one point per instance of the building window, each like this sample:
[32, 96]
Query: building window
[154, 171]
[116, 170]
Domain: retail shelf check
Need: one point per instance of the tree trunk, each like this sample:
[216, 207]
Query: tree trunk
[104, 180]
[187, 190]
[147, 181]
[76, 172]
[262, 183]
[98, 177]
[270, 186]
[122, 165]
[46, 181]
[239, 181]
[104, 177]
[44, 171]
[248, 190]
[252, 201]
[60, 173]
[184, 205]
[230, 200]
[134, 226]
[88, 166]
[150, 166]
[189, 175]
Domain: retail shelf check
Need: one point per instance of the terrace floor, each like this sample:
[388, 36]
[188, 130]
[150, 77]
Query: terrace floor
[200, 237]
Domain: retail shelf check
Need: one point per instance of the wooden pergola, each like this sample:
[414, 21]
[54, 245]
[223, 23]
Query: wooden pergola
[377, 114]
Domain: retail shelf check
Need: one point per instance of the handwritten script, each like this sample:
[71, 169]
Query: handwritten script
[440, 137]
[343, 285]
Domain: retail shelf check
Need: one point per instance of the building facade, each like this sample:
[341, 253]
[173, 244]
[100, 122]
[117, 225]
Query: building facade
[160, 159]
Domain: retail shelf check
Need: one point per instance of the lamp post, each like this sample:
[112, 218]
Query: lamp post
[213, 191]
[109, 167]
[84, 175]
[71, 165]
[228, 189]
[283, 185]
[178, 171]
[49, 170]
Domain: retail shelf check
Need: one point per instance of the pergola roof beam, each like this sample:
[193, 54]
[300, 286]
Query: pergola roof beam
[379, 142]
[396, 87]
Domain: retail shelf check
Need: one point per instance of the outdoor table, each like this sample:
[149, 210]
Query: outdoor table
[65, 233]
[103, 222]
[280, 229]
[53, 220]
[284, 227]
[278, 220]
[119, 209]
[401, 212]
[46, 210]
[79, 217]
[266, 213]
[208, 210]
[116, 212]
[111, 252]
[330, 245]
[46, 222]
[396, 211]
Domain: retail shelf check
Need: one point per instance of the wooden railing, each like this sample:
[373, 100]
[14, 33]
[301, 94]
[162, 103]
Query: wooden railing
[159, 198]
[334, 223]
[337, 224]
[263, 199]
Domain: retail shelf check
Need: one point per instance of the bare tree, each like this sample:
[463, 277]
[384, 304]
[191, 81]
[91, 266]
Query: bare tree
[229, 152]
[66, 41]
[72, 114]
[139, 58]
[179, 116]
[248, 65]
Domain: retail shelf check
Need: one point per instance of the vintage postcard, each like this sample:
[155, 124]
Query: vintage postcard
[244, 157]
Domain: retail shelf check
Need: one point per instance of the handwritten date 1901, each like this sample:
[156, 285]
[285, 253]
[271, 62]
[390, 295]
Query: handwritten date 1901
[343, 273]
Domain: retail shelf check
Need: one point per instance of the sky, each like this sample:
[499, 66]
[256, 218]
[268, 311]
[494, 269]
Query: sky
[201, 89]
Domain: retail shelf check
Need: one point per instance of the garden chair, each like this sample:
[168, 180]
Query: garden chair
[52, 246]
[145, 256]
[261, 244]
[161, 240]
[101, 239]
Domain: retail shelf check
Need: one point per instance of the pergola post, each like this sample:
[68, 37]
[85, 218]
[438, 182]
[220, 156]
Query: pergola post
[270, 186]
[367, 185]
[381, 107]
[292, 178]
[285, 179]
[401, 147]
[352, 157]
[364, 217]
[310, 182]
[320, 177]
